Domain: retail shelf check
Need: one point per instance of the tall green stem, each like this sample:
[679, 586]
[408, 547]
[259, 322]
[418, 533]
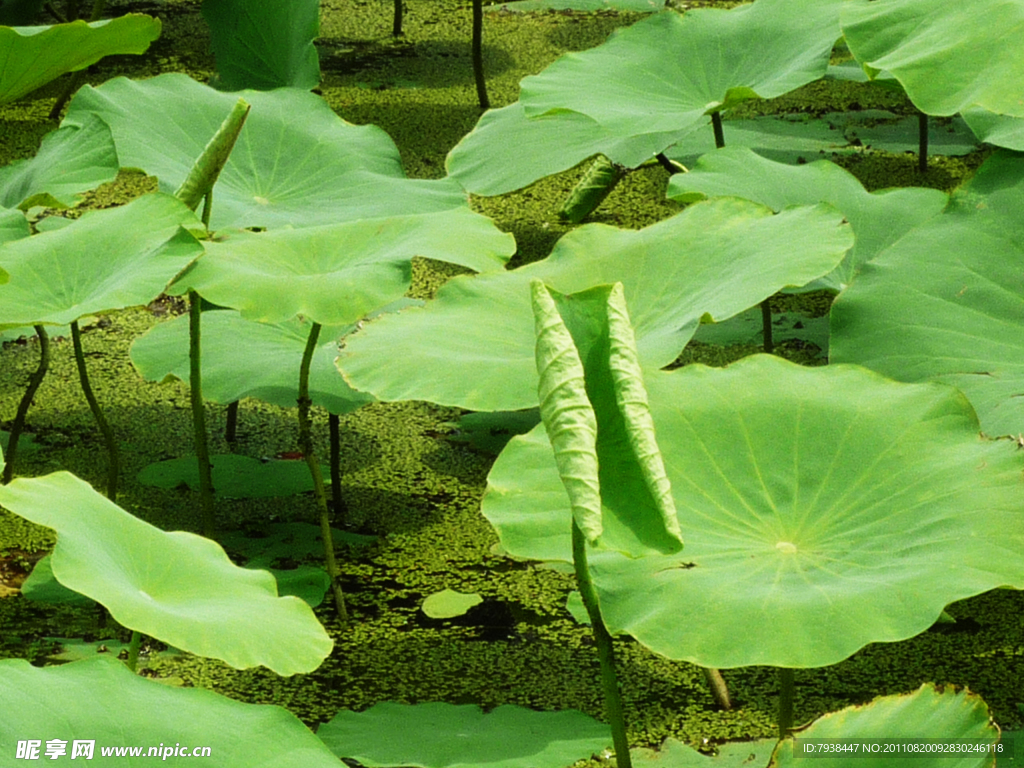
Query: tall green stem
[340, 510]
[716, 125]
[922, 141]
[766, 326]
[605, 651]
[18, 425]
[306, 445]
[94, 406]
[785, 701]
[133, 650]
[231, 429]
[478, 54]
[195, 380]
[77, 78]
[396, 21]
[719, 690]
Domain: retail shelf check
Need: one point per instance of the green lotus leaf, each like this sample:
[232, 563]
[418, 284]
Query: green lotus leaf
[948, 55]
[287, 540]
[666, 72]
[942, 303]
[473, 346]
[177, 587]
[336, 274]
[845, 507]
[506, 737]
[309, 583]
[13, 226]
[42, 586]
[246, 359]
[958, 716]
[33, 56]
[997, 130]
[234, 476]
[594, 408]
[447, 604]
[675, 754]
[75, 702]
[877, 219]
[748, 328]
[108, 259]
[71, 160]
[264, 44]
[283, 171]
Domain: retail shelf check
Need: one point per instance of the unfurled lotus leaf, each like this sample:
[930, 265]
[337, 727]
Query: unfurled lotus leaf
[282, 171]
[42, 586]
[33, 56]
[473, 346]
[959, 717]
[264, 44]
[447, 604]
[336, 274]
[841, 505]
[439, 735]
[177, 587]
[997, 130]
[945, 302]
[71, 160]
[108, 259]
[76, 701]
[948, 55]
[234, 476]
[878, 219]
[242, 358]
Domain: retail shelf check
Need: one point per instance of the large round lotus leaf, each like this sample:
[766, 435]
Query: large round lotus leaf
[264, 44]
[246, 359]
[336, 274]
[917, 718]
[282, 171]
[234, 476]
[666, 72]
[946, 302]
[71, 160]
[877, 219]
[507, 150]
[847, 508]
[439, 735]
[106, 260]
[474, 345]
[33, 56]
[177, 587]
[997, 130]
[947, 54]
[98, 700]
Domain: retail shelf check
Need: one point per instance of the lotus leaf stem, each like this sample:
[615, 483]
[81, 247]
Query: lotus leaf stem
[670, 165]
[133, 650]
[77, 78]
[306, 445]
[478, 55]
[18, 425]
[785, 701]
[766, 325]
[340, 510]
[716, 124]
[605, 651]
[922, 140]
[195, 380]
[719, 690]
[97, 412]
[396, 24]
[231, 430]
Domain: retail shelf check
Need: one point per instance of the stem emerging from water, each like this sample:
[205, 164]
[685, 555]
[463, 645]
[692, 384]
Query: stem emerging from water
[716, 124]
[231, 430]
[719, 690]
[94, 406]
[18, 425]
[785, 701]
[396, 23]
[195, 380]
[133, 650]
[306, 445]
[922, 140]
[766, 325]
[478, 55]
[605, 651]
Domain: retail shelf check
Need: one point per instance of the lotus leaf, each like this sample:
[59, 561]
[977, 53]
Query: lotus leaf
[71, 160]
[438, 735]
[291, 540]
[108, 259]
[13, 226]
[958, 716]
[998, 130]
[33, 56]
[75, 701]
[942, 303]
[844, 507]
[675, 754]
[246, 359]
[234, 477]
[447, 604]
[42, 586]
[630, 6]
[336, 274]
[177, 587]
[283, 171]
[948, 55]
[473, 346]
[877, 219]
[264, 44]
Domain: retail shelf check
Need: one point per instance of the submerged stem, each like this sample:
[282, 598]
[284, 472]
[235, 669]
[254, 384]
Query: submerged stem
[94, 406]
[605, 651]
[785, 701]
[195, 380]
[18, 425]
[306, 445]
